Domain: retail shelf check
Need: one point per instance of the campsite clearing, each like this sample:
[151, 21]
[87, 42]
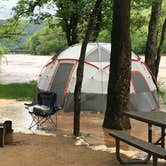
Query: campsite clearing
[54, 148]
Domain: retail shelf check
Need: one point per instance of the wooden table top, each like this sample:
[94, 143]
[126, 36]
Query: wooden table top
[157, 118]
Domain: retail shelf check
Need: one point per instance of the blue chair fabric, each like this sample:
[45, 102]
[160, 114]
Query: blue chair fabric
[42, 110]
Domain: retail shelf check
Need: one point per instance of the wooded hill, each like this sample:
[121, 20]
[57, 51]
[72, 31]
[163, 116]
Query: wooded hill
[18, 43]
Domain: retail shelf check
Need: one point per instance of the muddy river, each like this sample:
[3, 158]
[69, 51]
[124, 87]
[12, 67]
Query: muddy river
[21, 67]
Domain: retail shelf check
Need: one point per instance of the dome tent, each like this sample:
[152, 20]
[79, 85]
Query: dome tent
[59, 76]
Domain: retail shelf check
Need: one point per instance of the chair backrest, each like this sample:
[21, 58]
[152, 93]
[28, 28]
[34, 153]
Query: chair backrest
[47, 98]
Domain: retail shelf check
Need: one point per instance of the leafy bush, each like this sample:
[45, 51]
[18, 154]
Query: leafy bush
[163, 95]
[164, 48]
[47, 41]
[138, 42]
[1, 52]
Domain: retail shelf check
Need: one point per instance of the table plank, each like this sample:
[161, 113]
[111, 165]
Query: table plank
[157, 118]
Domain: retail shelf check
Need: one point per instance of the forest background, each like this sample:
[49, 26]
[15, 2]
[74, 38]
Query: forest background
[47, 35]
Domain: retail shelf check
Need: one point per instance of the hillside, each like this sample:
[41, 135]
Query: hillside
[17, 44]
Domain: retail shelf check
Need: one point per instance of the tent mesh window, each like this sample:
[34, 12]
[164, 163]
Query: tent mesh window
[140, 84]
[60, 80]
[98, 55]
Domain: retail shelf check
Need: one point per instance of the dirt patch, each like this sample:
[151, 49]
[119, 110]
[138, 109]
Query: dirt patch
[9, 101]
[37, 150]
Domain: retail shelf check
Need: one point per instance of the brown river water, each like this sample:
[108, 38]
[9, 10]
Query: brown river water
[21, 67]
[24, 68]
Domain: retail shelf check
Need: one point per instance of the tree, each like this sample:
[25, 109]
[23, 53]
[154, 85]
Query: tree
[47, 41]
[120, 68]
[69, 13]
[139, 23]
[97, 27]
[80, 69]
[8, 29]
[163, 35]
[72, 15]
[151, 44]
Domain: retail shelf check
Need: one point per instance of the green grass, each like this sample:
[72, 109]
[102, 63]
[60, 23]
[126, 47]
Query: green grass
[26, 91]
[18, 91]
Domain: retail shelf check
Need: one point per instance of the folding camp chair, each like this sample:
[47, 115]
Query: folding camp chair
[42, 111]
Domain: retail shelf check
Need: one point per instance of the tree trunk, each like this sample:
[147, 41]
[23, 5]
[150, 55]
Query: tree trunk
[80, 69]
[151, 44]
[120, 68]
[162, 39]
[70, 23]
[97, 27]
[67, 31]
[71, 30]
[74, 22]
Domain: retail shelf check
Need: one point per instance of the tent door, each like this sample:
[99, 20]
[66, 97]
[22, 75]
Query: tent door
[60, 80]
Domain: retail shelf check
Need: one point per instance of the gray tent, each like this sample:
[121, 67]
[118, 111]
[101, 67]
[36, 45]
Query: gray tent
[59, 75]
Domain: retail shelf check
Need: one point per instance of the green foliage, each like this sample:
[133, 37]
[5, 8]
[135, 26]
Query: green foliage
[104, 36]
[1, 52]
[163, 95]
[164, 48]
[19, 91]
[140, 23]
[138, 41]
[17, 43]
[72, 16]
[34, 9]
[9, 28]
[47, 41]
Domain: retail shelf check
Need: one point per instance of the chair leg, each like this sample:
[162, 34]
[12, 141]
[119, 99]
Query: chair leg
[34, 121]
[38, 120]
[52, 122]
[56, 114]
[46, 119]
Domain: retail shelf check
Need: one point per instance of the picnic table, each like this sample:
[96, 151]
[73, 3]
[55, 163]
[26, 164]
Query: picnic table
[153, 118]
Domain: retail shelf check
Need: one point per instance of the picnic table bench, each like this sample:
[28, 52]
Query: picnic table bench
[153, 118]
[155, 151]
[5, 132]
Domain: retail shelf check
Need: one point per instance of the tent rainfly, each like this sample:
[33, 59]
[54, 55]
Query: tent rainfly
[59, 76]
